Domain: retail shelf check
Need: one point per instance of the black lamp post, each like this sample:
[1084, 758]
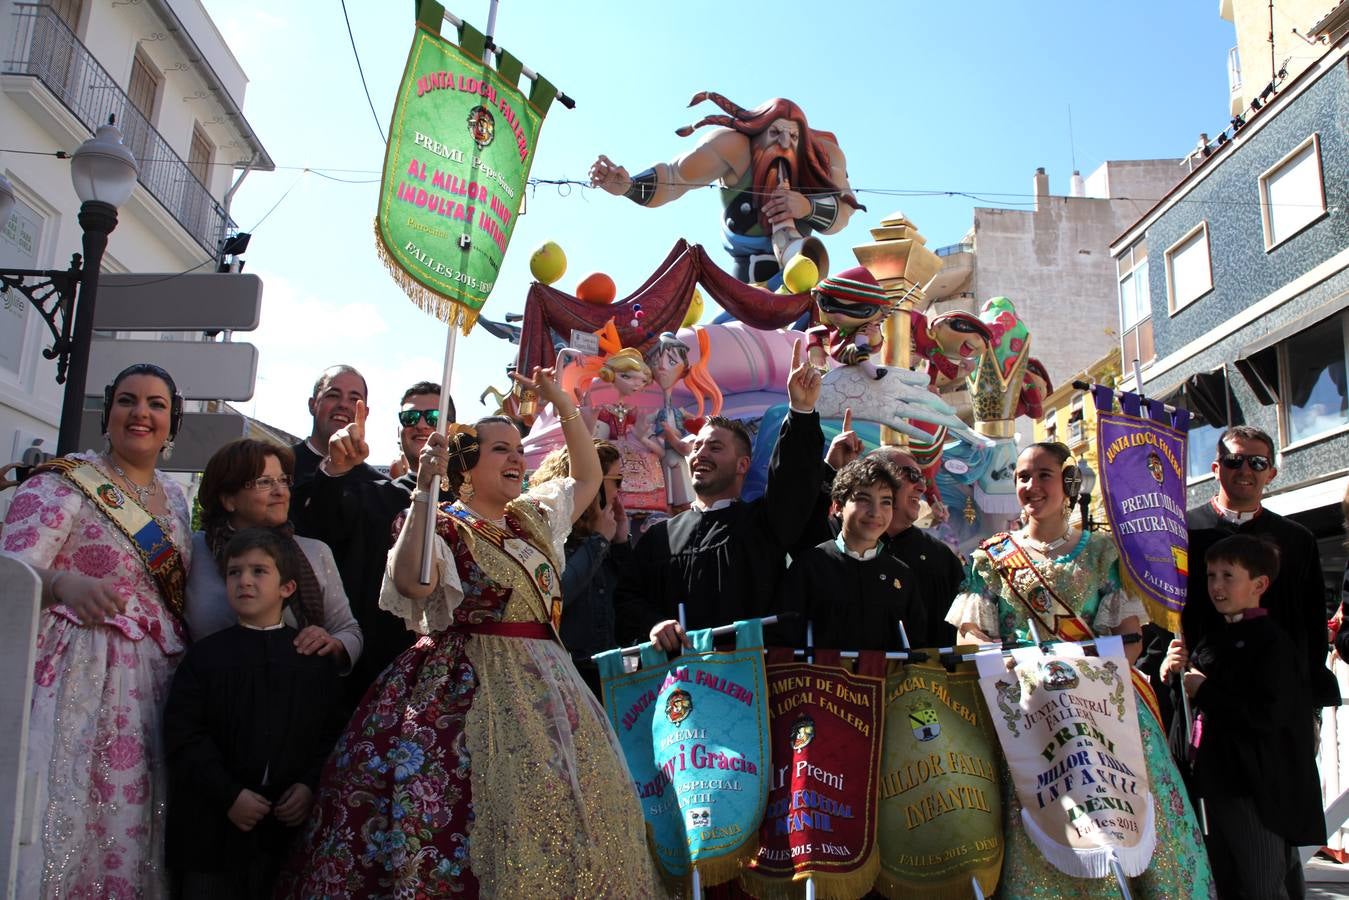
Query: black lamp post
[103, 172]
[1084, 496]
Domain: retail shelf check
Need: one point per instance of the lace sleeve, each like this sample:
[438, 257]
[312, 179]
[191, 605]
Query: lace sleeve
[977, 606]
[434, 612]
[557, 500]
[1116, 606]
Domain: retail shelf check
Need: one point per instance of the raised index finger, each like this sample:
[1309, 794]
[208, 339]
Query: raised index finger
[847, 418]
[361, 412]
[796, 355]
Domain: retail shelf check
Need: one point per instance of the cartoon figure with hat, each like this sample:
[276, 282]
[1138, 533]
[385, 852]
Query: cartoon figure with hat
[851, 306]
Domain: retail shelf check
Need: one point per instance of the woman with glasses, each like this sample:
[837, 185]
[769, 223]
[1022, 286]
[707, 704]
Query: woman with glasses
[108, 535]
[1059, 576]
[247, 485]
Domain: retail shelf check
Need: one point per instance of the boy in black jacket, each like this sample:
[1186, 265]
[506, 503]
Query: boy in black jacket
[1255, 756]
[852, 589]
[247, 727]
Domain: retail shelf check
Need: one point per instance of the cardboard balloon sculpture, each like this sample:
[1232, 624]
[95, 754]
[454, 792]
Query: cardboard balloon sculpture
[1069, 731]
[781, 181]
[695, 735]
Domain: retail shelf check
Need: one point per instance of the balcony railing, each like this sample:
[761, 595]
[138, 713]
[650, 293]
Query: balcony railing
[46, 49]
[953, 249]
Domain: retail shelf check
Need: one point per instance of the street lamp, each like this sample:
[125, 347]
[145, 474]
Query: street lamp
[1084, 495]
[103, 172]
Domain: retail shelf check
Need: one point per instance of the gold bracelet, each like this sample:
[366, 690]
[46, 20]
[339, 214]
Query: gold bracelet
[574, 414]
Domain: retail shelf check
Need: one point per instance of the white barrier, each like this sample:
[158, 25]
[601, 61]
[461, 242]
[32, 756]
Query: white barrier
[20, 599]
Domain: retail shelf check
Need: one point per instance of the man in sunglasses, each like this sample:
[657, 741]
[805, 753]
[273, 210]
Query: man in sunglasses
[1297, 598]
[354, 515]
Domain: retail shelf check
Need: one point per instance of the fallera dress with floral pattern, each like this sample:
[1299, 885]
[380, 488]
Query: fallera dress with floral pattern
[479, 764]
[95, 751]
[1086, 579]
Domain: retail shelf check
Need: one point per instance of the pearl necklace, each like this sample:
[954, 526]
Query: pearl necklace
[1048, 547]
[143, 494]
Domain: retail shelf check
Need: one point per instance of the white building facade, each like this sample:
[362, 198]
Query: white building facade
[163, 70]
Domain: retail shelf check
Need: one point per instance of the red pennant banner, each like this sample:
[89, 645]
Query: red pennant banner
[826, 728]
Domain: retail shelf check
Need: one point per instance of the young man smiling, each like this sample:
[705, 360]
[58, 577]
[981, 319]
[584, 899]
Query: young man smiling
[723, 558]
[353, 514]
[1296, 599]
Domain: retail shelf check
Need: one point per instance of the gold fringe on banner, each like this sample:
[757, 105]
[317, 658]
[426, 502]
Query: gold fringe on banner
[957, 888]
[451, 312]
[828, 885]
[717, 871]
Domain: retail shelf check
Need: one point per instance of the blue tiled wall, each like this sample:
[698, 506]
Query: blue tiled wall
[1229, 200]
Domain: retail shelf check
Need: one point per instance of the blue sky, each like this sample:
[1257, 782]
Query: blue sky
[967, 98]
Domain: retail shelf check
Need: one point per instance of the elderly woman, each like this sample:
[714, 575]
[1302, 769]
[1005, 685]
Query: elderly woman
[479, 763]
[247, 485]
[108, 535]
[1073, 577]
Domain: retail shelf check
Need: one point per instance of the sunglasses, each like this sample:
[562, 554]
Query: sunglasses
[913, 474]
[1234, 461]
[265, 483]
[408, 417]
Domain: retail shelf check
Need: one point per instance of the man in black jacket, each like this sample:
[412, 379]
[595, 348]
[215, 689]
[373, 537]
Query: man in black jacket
[354, 514]
[724, 557]
[1297, 597]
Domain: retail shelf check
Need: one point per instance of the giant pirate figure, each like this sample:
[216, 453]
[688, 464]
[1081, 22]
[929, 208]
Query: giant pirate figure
[781, 180]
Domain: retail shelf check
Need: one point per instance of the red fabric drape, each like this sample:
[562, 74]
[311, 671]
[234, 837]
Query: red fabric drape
[664, 297]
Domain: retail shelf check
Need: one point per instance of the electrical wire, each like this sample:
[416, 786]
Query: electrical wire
[361, 71]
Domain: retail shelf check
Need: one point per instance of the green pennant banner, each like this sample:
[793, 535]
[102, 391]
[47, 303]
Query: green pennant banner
[461, 144]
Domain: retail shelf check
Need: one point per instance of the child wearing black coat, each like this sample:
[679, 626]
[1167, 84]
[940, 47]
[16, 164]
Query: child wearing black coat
[248, 724]
[1253, 746]
[852, 590]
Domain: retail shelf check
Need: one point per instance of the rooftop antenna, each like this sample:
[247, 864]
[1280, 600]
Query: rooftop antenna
[1072, 148]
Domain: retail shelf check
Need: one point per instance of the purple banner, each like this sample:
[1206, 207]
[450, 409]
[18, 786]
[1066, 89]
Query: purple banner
[1142, 471]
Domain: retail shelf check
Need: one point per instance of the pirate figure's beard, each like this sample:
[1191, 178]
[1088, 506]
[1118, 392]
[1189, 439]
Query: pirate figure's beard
[771, 167]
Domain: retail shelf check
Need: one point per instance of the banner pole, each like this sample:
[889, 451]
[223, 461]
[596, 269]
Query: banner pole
[978, 891]
[810, 889]
[1119, 877]
[433, 501]
[696, 888]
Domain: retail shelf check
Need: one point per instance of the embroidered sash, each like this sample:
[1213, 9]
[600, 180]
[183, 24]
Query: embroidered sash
[1041, 603]
[1048, 610]
[155, 548]
[536, 565]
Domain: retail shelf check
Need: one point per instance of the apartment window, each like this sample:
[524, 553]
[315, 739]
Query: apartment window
[143, 86]
[1314, 369]
[1189, 272]
[1292, 195]
[1135, 305]
[199, 155]
[1075, 425]
[68, 11]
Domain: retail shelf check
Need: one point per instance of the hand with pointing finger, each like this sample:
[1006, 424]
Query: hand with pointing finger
[347, 448]
[803, 384]
[847, 446]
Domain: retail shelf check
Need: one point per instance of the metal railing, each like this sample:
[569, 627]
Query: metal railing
[46, 49]
[953, 249]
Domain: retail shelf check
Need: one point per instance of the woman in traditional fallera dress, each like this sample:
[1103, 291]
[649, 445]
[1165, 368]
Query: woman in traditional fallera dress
[479, 763]
[109, 538]
[1080, 569]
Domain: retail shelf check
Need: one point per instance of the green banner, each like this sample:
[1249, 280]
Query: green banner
[461, 144]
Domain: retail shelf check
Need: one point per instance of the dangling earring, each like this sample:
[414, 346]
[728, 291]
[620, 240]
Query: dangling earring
[167, 452]
[107, 443]
[466, 490]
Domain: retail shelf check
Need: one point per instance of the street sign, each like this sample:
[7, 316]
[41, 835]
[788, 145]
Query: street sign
[193, 302]
[201, 435]
[204, 370]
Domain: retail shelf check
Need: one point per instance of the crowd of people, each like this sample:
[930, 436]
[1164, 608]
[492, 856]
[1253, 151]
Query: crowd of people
[283, 700]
